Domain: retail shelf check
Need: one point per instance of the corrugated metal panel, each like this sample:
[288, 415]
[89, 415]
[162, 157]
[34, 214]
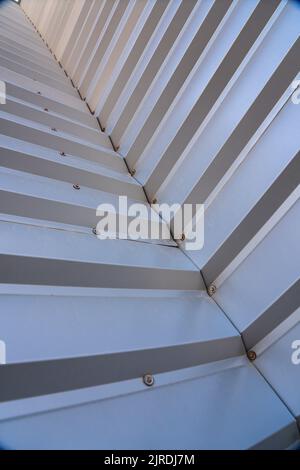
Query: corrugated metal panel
[196, 97]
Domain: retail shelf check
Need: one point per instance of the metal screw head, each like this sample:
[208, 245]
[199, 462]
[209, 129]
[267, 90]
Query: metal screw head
[76, 186]
[212, 290]
[251, 356]
[148, 380]
[95, 231]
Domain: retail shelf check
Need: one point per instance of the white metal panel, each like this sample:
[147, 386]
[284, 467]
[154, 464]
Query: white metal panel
[198, 98]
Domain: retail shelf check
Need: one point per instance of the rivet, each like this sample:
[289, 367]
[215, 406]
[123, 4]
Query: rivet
[154, 201]
[76, 186]
[63, 154]
[148, 380]
[133, 172]
[212, 290]
[251, 356]
[95, 231]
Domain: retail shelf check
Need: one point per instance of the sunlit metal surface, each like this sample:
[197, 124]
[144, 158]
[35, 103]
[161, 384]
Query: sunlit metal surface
[197, 99]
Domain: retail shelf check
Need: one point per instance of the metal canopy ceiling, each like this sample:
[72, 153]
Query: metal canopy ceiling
[196, 99]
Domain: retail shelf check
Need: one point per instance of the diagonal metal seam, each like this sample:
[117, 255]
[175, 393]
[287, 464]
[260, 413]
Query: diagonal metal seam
[197, 268]
[143, 187]
[257, 368]
[103, 130]
[279, 396]
[187, 356]
[113, 145]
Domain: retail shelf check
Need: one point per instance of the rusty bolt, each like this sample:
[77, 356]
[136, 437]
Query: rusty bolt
[251, 356]
[212, 290]
[148, 380]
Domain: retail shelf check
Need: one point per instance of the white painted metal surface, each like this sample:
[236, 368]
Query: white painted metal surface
[197, 98]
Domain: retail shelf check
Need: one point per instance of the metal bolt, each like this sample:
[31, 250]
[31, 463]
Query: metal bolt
[251, 356]
[148, 380]
[76, 186]
[95, 231]
[63, 154]
[133, 172]
[212, 290]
